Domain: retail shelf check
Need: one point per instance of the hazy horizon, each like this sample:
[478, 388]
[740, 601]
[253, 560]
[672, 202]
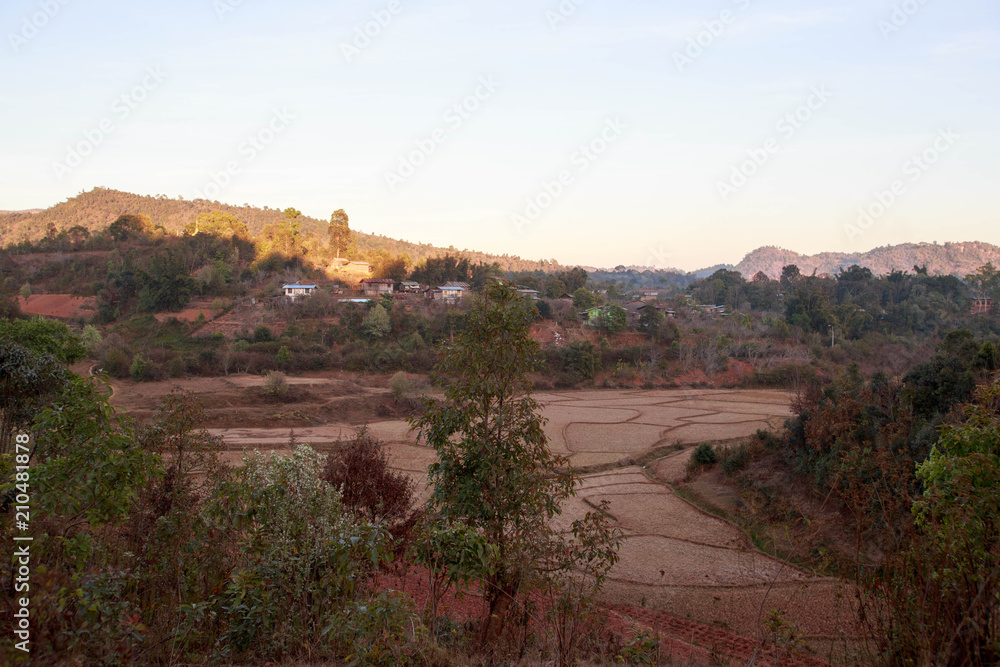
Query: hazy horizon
[884, 106]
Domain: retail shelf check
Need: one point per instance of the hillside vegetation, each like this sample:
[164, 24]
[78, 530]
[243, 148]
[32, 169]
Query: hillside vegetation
[97, 209]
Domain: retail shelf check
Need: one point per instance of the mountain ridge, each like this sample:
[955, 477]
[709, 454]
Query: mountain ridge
[958, 259]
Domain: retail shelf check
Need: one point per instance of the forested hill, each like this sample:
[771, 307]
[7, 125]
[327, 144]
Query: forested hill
[98, 208]
[958, 259]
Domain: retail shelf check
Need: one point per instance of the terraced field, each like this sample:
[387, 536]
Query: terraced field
[632, 446]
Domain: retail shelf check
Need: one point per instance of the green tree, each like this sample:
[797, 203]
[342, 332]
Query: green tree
[167, 284]
[376, 323]
[130, 227]
[584, 298]
[935, 602]
[555, 288]
[339, 231]
[494, 472]
[582, 358]
[42, 336]
[614, 319]
[650, 321]
[29, 380]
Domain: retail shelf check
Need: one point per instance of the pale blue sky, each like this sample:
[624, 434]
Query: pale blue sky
[653, 196]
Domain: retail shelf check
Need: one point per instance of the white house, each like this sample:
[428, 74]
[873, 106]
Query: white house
[295, 291]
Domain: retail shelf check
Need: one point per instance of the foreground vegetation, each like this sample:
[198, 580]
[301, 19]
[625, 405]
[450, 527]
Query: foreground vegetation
[150, 550]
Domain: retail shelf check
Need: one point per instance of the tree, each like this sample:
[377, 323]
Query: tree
[935, 602]
[167, 284]
[650, 321]
[42, 336]
[583, 298]
[29, 380]
[376, 323]
[789, 274]
[613, 319]
[218, 223]
[985, 282]
[555, 288]
[494, 472]
[130, 226]
[339, 231]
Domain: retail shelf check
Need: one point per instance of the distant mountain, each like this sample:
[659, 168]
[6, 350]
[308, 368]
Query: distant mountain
[704, 273]
[958, 259]
[98, 208]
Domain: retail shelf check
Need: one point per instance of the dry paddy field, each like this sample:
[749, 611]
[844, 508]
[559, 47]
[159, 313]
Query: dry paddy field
[632, 446]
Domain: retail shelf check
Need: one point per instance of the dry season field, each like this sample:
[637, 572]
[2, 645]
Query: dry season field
[631, 445]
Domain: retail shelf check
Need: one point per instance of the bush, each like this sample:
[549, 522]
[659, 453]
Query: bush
[91, 339]
[275, 384]
[734, 459]
[117, 362]
[141, 368]
[369, 488]
[399, 385]
[262, 334]
[284, 355]
[704, 454]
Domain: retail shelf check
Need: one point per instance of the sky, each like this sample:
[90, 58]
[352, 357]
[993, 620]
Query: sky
[596, 132]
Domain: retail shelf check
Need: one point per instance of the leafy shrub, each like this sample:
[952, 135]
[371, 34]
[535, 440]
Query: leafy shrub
[376, 323]
[275, 384]
[117, 362]
[262, 334]
[297, 559]
[399, 385]
[91, 339]
[581, 358]
[141, 369]
[284, 355]
[734, 459]
[704, 454]
[643, 649]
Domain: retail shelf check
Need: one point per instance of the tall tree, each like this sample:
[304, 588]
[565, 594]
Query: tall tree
[339, 231]
[494, 472]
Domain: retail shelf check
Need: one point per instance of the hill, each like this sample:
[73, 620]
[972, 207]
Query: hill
[98, 208]
[958, 259]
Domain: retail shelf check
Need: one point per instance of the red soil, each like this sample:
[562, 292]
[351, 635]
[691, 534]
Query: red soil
[63, 306]
[680, 639]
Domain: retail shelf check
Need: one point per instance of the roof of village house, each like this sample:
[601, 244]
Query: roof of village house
[379, 281]
[297, 286]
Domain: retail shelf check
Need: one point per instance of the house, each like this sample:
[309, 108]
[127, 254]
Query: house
[982, 306]
[649, 295]
[449, 293]
[354, 300]
[465, 286]
[409, 286]
[593, 315]
[452, 291]
[529, 294]
[296, 291]
[376, 286]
